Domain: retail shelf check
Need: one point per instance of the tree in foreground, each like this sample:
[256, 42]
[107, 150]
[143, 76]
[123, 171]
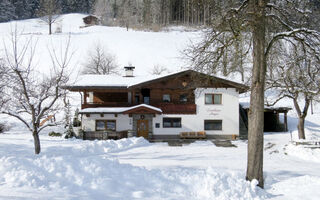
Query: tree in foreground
[295, 74]
[30, 96]
[255, 25]
[100, 62]
[49, 12]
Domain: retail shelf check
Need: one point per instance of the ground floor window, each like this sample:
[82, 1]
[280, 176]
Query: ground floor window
[212, 124]
[171, 122]
[106, 125]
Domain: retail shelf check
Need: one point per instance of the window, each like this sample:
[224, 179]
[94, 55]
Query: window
[166, 98]
[212, 124]
[146, 100]
[137, 98]
[213, 98]
[171, 122]
[103, 125]
[183, 98]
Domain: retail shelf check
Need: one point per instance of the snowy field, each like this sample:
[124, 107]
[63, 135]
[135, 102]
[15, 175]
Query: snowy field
[134, 168]
[142, 49]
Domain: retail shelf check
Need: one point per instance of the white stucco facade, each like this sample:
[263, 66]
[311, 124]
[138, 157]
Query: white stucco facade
[227, 111]
[123, 122]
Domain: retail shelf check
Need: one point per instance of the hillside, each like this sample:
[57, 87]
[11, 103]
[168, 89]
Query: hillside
[142, 49]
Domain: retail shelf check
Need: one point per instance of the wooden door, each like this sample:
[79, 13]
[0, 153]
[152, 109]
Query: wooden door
[143, 128]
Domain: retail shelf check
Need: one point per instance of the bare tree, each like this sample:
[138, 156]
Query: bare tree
[158, 70]
[31, 97]
[3, 82]
[100, 62]
[263, 22]
[295, 75]
[49, 12]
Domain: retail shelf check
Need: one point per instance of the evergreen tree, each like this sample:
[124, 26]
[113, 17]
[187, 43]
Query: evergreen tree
[7, 11]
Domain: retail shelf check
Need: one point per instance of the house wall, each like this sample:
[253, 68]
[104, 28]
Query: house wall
[123, 122]
[228, 112]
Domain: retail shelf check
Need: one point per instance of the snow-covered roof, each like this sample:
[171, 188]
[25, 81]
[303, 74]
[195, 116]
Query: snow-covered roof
[116, 109]
[116, 81]
[246, 105]
[111, 80]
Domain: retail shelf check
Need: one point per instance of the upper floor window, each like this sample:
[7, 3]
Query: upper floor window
[166, 98]
[183, 98]
[213, 98]
[171, 122]
[137, 98]
[146, 100]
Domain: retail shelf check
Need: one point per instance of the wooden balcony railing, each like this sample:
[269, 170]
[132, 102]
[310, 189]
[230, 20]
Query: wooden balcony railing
[105, 104]
[171, 108]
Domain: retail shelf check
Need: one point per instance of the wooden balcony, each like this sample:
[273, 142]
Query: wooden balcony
[105, 104]
[171, 108]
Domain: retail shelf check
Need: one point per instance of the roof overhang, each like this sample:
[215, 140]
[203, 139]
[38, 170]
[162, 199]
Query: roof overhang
[83, 88]
[139, 109]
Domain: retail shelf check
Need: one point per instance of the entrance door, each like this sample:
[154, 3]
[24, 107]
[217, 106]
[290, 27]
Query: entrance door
[143, 128]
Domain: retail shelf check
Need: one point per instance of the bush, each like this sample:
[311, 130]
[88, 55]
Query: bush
[76, 123]
[55, 134]
[81, 133]
[69, 132]
[3, 128]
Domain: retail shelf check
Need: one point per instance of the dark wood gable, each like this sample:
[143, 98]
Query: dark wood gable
[188, 80]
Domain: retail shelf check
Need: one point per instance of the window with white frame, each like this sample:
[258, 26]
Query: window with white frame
[212, 125]
[213, 98]
[105, 125]
[171, 122]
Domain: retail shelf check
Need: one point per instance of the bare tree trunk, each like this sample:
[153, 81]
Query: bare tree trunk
[50, 31]
[256, 113]
[302, 115]
[301, 128]
[36, 140]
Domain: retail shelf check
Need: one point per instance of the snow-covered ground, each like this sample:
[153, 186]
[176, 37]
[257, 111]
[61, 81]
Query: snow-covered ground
[133, 168]
[136, 169]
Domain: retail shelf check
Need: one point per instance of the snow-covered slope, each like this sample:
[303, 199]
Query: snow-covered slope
[142, 49]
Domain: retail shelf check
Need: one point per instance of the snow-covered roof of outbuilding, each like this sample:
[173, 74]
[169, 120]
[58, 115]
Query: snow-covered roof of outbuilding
[117, 110]
[246, 105]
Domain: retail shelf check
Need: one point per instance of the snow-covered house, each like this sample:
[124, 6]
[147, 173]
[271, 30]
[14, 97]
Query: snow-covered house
[186, 104]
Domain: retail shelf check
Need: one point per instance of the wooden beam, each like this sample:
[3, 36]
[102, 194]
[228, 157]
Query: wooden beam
[285, 122]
